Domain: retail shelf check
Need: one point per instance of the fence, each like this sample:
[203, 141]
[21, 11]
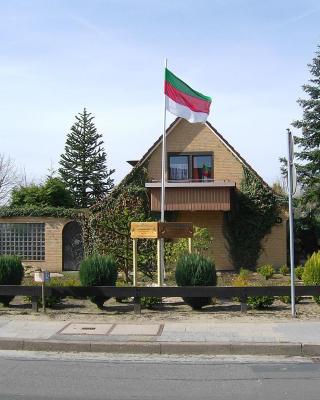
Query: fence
[136, 292]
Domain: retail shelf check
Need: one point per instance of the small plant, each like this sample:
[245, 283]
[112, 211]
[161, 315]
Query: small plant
[287, 299]
[149, 302]
[195, 270]
[311, 273]
[298, 271]
[244, 273]
[98, 270]
[284, 270]
[11, 273]
[260, 302]
[266, 270]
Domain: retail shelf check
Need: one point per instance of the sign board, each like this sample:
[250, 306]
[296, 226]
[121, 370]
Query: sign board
[175, 230]
[163, 230]
[43, 276]
[144, 230]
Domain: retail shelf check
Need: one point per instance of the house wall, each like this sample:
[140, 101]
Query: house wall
[53, 240]
[187, 137]
[196, 138]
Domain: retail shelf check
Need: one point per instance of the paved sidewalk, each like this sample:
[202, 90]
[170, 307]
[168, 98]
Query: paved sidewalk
[289, 337]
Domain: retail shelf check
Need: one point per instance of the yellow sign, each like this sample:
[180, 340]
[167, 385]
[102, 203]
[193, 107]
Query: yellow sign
[144, 230]
[175, 230]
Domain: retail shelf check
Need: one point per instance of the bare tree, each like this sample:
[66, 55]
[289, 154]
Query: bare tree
[8, 178]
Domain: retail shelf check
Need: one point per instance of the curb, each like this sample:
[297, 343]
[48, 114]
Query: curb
[170, 348]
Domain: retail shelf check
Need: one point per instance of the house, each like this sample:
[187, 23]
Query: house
[203, 170]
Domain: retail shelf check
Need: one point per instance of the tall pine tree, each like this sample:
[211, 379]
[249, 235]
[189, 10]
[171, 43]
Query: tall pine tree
[309, 142]
[83, 165]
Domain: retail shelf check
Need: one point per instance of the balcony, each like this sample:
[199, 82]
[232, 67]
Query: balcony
[206, 195]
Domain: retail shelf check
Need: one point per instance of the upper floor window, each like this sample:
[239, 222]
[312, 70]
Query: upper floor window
[24, 240]
[196, 167]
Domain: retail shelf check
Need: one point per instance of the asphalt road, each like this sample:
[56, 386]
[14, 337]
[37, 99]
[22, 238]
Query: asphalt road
[35, 376]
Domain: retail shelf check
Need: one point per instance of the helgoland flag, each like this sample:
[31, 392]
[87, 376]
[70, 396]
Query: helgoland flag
[183, 101]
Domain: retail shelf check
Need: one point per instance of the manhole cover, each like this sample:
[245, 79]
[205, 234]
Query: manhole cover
[135, 329]
[86, 329]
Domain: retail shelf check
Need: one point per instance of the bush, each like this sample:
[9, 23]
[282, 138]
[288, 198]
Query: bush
[299, 272]
[11, 273]
[287, 299]
[260, 302]
[195, 270]
[244, 273]
[98, 270]
[266, 270]
[51, 301]
[150, 302]
[311, 273]
[284, 270]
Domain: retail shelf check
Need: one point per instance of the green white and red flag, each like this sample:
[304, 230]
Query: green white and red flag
[183, 101]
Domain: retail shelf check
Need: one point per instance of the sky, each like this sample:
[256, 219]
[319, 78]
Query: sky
[59, 56]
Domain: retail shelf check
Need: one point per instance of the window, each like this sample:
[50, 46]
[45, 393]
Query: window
[201, 168]
[196, 167]
[179, 168]
[24, 240]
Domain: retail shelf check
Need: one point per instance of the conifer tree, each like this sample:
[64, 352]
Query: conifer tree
[308, 152]
[83, 165]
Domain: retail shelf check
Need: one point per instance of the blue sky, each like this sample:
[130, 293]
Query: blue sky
[59, 56]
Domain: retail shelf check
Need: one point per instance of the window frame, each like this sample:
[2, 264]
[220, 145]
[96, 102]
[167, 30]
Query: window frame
[30, 244]
[190, 156]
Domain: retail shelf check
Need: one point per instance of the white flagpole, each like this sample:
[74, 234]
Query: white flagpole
[163, 188]
[290, 186]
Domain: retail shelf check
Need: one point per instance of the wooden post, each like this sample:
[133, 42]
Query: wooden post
[135, 262]
[159, 262]
[190, 245]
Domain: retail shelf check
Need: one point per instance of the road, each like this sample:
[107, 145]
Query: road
[35, 376]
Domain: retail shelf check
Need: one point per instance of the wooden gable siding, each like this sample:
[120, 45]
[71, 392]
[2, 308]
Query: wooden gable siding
[190, 138]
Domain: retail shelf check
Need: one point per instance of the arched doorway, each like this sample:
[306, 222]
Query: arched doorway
[72, 246]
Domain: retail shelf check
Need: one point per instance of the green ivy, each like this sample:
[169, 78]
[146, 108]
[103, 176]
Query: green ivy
[254, 210]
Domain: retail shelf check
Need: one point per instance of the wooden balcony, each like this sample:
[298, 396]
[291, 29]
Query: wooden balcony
[192, 196]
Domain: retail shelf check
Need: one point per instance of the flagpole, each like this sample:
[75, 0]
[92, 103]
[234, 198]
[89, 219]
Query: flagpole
[163, 188]
[290, 185]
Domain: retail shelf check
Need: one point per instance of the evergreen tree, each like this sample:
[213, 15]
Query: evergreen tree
[308, 152]
[83, 165]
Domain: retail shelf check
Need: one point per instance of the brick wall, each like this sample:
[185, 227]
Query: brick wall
[53, 240]
[196, 138]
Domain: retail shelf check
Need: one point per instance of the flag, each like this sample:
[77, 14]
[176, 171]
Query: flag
[183, 101]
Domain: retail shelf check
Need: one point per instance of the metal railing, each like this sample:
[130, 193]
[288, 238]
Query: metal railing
[224, 292]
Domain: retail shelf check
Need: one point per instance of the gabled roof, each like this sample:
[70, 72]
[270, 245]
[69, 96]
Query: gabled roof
[215, 132]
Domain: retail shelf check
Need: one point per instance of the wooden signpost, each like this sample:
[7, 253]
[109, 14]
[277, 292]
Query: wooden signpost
[158, 230]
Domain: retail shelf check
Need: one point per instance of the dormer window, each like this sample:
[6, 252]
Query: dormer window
[190, 167]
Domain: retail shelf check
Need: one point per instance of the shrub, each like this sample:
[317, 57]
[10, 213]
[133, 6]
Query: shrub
[284, 270]
[195, 270]
[150, 302]
[11, 273]
[299, 272]
[51, 301]
[260, 302]
[266, 270]
[244, 273]
[311, 273]
[98, 270]
[287, 299]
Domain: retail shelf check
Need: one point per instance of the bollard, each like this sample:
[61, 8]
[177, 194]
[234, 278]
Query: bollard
[137, 305]
[34, 303]
[243, 304]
